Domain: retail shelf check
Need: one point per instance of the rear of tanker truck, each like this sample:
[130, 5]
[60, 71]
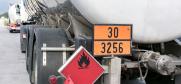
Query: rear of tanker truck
[135, 41]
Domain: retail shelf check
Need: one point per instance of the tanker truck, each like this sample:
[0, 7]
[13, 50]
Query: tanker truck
[136, 41]
[17, 16]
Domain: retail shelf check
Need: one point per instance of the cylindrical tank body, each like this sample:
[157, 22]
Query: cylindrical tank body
[17, 13]
[34, 6]
[13, 14]
[153, 21]
[23, 13]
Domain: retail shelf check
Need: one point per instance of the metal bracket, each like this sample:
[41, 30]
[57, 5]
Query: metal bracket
[44, 56]
[64, 54]
[114, 75]
[126, 65]
[62, 49]
[57, 49]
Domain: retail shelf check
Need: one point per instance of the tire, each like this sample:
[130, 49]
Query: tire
[52, 38]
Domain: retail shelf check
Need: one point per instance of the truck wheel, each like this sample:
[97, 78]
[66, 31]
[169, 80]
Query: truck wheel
[52, 38]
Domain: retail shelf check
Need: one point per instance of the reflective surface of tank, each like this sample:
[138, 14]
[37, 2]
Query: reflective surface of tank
[153, 20]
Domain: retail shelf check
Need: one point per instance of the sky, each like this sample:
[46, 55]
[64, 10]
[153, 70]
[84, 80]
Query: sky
[4, 4]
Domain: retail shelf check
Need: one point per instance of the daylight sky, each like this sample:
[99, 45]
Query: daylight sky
[4, 4]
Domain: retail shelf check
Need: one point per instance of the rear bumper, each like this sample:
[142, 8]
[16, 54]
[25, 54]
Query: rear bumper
[14, 30]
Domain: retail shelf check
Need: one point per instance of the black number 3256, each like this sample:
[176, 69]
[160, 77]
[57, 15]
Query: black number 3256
[115, 46]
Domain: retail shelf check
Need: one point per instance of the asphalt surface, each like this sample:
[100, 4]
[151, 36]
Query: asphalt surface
[12, 61]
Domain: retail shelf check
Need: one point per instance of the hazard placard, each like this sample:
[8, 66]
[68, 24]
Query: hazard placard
[81, 68]
[112, 40]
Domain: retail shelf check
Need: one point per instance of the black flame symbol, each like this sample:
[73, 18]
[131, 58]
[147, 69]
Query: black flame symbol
[83, 61]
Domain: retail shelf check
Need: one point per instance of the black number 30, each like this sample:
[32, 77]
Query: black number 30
[113, 32]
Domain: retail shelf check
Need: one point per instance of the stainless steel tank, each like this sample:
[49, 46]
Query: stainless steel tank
[153, 21]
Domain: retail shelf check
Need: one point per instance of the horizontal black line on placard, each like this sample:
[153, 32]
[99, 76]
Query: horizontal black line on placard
[112, 39]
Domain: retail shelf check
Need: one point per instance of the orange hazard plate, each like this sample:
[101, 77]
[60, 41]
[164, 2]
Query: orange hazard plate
[112, 40]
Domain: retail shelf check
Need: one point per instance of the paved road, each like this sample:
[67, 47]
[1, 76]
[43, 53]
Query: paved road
[12, 61]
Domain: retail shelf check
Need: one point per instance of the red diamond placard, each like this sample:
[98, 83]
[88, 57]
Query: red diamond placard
[82, 68]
